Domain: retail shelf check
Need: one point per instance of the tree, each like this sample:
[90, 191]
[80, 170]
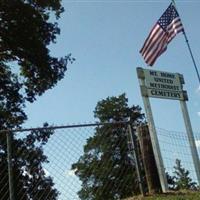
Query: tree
[170, 181]
[27, 70]
[105, 169]
[30, 180]
[181, 178]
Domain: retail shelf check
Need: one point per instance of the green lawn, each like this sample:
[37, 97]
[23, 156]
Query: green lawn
[171, 196]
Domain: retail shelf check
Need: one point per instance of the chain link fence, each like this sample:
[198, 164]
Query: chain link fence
[43, 162]
[175, 145]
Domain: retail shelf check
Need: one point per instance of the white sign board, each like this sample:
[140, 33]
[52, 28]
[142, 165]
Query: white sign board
[166, 85]
[161, 84]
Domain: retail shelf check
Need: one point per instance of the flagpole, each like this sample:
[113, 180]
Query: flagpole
[186, 39]
[190, 50]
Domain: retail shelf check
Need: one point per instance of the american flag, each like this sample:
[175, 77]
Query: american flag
[161, 34]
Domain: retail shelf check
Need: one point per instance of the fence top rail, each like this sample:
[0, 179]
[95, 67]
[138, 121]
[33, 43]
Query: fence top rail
[64, 126]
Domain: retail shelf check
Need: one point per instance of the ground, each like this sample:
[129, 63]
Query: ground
[183, 195]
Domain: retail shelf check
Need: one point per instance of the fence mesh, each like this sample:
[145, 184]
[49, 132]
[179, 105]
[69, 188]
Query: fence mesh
[175, 145]
[59, 149]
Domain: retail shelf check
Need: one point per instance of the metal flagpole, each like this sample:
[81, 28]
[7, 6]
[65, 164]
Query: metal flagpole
[186, 39]
[191, 139]
[189, 48]
[186, 117]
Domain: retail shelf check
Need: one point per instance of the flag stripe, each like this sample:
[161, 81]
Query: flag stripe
[150, 38]
[173, 32]
[156, 51]
[160, 50]
[166, 28]
[173, 23]
[155, 42]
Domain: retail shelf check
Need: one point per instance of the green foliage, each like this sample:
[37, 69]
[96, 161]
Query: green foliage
[105, 169]
[25, 33]
[27, 69]
[170, 181]
[181, 178]
[30, 180]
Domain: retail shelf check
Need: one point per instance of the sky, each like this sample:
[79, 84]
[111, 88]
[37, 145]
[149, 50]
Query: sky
[105, 38]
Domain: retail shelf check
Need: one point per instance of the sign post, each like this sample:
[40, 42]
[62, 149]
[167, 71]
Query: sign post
[191, 139]
[165, 85]
[153, 135]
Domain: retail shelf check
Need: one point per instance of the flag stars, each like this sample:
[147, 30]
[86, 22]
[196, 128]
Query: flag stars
[168, 16]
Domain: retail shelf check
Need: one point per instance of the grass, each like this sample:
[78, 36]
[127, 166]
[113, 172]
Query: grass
[183, 195]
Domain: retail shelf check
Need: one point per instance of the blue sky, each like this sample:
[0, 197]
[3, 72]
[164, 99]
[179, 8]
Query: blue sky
[105, 38]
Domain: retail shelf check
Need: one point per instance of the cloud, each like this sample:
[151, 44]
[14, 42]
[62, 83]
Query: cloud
[197, 142]
[70, 172]
[198, 113]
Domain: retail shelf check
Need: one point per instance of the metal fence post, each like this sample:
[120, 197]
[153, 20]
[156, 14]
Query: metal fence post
[10, 167]
[136, 159]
